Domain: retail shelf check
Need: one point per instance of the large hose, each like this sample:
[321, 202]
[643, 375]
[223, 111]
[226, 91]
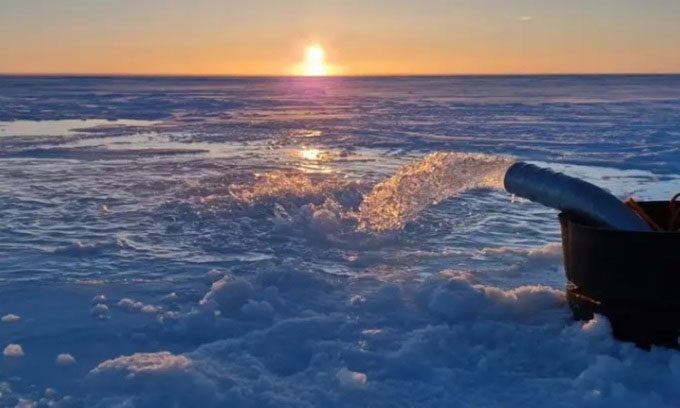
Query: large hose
[572, 195]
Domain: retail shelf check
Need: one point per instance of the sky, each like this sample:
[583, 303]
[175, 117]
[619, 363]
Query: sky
[359, 37]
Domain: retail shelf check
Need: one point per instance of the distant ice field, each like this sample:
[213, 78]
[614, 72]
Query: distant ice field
[304, 242]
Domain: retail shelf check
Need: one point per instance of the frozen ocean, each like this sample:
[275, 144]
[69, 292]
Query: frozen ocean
[314, 242]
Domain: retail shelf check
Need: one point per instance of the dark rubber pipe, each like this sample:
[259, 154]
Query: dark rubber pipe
[571, 195]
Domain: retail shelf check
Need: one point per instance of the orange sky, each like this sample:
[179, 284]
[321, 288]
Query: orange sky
[268, 37]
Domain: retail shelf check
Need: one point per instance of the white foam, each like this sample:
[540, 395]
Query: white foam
[542, 256]
[551, 250]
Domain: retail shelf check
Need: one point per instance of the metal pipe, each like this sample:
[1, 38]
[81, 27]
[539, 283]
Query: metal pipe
[572, 195]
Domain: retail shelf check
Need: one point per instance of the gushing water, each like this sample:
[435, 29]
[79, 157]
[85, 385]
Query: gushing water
[298, 188]
[414, 187]
[390, 204]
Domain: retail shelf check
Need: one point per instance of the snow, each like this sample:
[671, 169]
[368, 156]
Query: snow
[13, 350]
[213, 275]
[65, 359]
[100, 311]
[10, 318]
[131, 305]
[351, 378]
[439, 337]
[99, 299]
[159, 378]
[161, 363]
[221, 257]
[228, 295]
[257, 310]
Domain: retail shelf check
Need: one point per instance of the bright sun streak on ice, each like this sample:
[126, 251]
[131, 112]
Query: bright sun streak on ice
[315, 64]
[310, 154]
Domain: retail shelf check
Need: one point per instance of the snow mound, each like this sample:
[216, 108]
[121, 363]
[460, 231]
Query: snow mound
[65, 359]
[10, 318]
[228, 295]
[144, 363]
[213, 275]
[99, 299]
[147, 380]
[100, 311]
[133, 306]
[460, 298]
[13, 350]
[350, 378]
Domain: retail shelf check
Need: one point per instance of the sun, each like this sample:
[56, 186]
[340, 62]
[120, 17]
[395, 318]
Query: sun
[315, 61]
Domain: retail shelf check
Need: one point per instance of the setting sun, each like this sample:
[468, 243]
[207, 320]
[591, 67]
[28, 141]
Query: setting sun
[315, 64]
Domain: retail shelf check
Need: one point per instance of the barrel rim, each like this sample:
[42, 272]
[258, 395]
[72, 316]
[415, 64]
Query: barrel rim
[575, 219]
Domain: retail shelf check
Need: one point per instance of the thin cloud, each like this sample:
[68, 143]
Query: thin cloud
[526, 18]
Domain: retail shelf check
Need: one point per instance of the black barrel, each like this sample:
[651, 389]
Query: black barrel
[631, 277]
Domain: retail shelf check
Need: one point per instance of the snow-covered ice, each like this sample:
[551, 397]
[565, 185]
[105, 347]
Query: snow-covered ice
[335, 242]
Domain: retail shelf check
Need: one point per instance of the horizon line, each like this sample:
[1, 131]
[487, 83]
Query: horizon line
[245, 76]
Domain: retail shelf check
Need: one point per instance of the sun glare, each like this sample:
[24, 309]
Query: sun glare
[315, 61]
[310, 154]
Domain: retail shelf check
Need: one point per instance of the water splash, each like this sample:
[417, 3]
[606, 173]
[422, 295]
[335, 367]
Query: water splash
[425, 182]
[388, 206]
[299, 187]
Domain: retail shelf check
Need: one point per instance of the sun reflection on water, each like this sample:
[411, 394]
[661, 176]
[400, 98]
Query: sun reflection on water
[311, 154]
[313, 160]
